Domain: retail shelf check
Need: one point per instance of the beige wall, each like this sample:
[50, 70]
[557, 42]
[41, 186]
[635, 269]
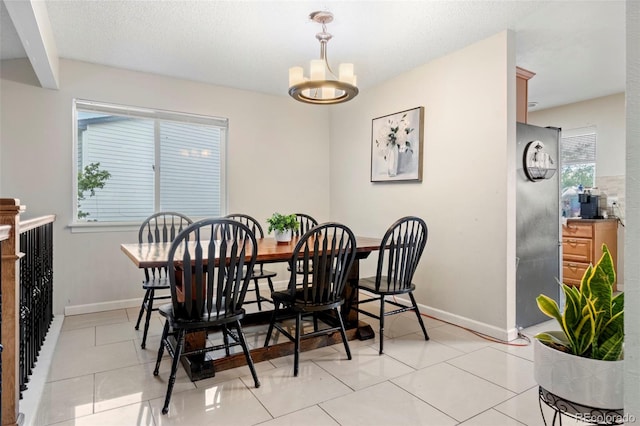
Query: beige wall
[278, 155]
[467, 274]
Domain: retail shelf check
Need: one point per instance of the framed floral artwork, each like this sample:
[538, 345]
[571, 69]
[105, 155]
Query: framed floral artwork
[396, 146]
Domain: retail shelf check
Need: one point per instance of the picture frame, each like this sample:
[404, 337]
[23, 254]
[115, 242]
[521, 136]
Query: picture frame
[396, 146]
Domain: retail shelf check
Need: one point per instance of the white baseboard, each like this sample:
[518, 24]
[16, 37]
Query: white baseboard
[480, 327]
[91, 308]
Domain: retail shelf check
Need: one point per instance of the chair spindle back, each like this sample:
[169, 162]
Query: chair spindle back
[325, 253]
[161, 227]
[206, 275]
[400, 252]
[306, 223]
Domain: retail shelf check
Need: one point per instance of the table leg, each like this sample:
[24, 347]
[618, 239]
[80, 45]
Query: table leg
[350, 316]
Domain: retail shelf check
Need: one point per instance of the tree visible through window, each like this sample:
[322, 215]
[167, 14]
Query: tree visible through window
[153, 161]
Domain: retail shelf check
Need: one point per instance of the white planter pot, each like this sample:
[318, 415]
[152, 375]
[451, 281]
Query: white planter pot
[283, 237]
[590, 382]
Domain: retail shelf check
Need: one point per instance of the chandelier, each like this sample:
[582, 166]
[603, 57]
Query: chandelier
[322, 87]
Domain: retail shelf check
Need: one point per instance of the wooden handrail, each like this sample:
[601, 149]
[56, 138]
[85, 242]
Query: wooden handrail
[29, 224]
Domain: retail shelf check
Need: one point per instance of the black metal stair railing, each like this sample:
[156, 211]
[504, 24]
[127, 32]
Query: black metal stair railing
[36, 294]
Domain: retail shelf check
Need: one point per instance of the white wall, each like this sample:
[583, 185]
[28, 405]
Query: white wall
[632, 268]
[278, 155]
[467, 196]
[606, 114]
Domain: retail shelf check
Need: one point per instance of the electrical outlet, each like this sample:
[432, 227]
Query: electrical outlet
[612, 201]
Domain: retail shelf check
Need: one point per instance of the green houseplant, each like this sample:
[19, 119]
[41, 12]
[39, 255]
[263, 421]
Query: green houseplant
[282, 226]
[591, 337]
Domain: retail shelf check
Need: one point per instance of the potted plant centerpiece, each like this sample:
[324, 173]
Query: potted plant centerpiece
[283, 226]
[583, 363]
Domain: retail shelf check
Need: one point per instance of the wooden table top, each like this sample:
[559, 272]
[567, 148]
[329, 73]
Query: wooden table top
[150, 255]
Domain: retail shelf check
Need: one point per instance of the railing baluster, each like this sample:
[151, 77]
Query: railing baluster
[36, 293]
[26, 302]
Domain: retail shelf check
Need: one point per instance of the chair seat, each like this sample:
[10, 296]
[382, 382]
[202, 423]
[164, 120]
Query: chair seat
[369, 284]
[156, 284]
[298, 304]
[300, 270]
[257, 273]
[166, 311]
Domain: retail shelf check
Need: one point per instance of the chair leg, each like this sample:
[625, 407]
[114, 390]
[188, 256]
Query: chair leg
[247, 354]
[272, 323]
[296, 350]
[344, 335]
[144, 301]
[152, 295]
[225, 339]
[381, 324]
[417, 311]
[258, 298]
[165, 334]
[270, 282]
[174, 369]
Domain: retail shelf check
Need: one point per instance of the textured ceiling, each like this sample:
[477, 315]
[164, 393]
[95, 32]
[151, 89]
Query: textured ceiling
[576, 48]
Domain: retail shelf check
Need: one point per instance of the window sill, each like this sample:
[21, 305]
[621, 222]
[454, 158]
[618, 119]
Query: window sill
[84, 227]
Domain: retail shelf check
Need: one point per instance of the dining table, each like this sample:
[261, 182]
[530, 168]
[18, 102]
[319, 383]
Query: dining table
[154, 255]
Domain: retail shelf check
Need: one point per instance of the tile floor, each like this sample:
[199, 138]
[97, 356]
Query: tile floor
[99, 375]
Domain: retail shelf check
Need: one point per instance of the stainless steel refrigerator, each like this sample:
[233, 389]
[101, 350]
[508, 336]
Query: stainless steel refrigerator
[538, 240]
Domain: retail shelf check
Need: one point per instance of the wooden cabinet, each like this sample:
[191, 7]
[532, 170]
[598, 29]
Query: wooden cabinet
[582, 241]
[522, 93]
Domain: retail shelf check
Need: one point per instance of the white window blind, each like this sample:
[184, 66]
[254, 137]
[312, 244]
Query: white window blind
[578, 158]
[580, 149]
[157, 161]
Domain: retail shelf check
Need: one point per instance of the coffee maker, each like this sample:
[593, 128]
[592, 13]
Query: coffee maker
[589, 206]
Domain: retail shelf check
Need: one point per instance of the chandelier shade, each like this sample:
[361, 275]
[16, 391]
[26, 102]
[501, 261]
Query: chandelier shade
[323, 86]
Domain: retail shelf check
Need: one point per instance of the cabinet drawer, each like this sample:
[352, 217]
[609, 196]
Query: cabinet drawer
[577, 230]
[576, 249]
[572, 272]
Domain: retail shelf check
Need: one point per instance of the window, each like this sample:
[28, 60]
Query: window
[132, 162]
[578, 158]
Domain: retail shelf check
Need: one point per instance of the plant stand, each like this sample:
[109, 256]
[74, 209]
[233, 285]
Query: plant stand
[590, 415]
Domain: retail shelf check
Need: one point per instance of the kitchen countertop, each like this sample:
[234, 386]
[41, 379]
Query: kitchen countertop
[578, 219]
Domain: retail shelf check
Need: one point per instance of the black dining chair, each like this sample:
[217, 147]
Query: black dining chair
[331, 249]
[208, 284]
[258, 273]
[305, 222]
[400, 251]
[159, 227]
